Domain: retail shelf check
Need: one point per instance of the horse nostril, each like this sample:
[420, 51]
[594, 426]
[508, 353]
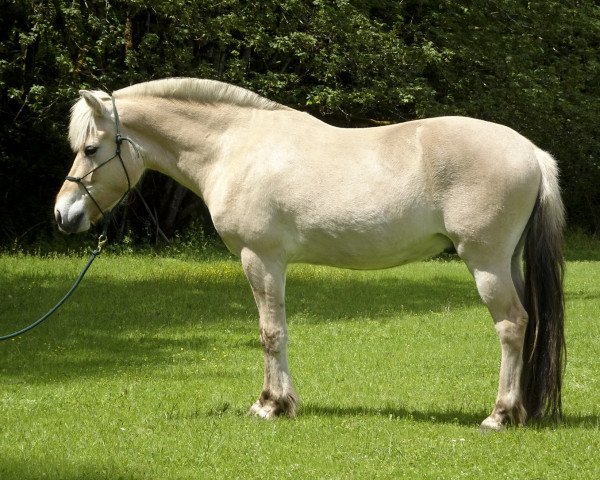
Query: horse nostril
[58, 217]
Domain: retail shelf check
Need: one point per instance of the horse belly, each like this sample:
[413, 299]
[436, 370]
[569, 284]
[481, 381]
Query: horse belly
[369, 246]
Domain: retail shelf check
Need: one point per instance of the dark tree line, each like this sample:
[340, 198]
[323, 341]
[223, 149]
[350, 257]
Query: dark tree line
[534, 66]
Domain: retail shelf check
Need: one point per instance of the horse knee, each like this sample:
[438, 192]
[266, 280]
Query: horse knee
[273, 340]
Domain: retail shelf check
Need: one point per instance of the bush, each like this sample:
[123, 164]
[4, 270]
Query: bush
[530, 65]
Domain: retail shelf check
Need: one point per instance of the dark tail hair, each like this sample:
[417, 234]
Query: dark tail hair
[544, 350]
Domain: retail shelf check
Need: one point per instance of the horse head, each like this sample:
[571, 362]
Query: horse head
[102, 172]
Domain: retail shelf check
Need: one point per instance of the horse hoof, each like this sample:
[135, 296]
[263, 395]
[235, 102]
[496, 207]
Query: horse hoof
[492, 424]
[266, 412]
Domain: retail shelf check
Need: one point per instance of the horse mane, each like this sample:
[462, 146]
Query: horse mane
[199, 90]
[83, 122]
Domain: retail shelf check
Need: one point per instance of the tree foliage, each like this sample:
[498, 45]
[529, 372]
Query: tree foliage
[531, 65]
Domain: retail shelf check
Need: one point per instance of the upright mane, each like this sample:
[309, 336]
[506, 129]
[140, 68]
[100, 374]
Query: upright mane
[83, 122]
[199, 90]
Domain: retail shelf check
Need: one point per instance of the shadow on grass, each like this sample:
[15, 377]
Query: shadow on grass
[34, 469]
[354, 299]
[112, 324]
[457, 417]
[582, 421]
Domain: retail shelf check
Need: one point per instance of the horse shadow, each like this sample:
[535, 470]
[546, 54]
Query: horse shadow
[447, 417]
[457, 417]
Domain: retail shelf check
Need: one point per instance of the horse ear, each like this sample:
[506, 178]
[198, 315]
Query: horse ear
[93, 102]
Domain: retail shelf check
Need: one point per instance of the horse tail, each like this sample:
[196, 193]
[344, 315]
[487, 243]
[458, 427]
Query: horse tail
[544, 351]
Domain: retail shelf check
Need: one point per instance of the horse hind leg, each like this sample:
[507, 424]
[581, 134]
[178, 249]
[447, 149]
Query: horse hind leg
[497, 289]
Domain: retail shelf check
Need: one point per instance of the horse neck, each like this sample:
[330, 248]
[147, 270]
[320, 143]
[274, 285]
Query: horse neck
[184, 140]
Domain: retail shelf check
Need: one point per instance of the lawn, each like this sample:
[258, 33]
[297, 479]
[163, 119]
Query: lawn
[148, 372]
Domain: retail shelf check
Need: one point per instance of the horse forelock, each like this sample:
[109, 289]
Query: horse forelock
[83, 121]
[199, 90]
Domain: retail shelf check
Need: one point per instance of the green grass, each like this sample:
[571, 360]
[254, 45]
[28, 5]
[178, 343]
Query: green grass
[148, 372]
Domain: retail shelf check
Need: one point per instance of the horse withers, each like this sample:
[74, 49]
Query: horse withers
[284, 187]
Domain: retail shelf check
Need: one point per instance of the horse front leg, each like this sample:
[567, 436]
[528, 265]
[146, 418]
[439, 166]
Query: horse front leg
[266, 275]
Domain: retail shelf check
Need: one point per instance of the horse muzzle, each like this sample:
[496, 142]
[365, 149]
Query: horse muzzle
[71, 217]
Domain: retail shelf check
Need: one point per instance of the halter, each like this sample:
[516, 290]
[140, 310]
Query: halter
[118, 140]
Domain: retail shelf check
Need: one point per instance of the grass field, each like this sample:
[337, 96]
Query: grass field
[149, 371]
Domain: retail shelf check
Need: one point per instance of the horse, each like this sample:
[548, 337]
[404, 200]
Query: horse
[284, 187]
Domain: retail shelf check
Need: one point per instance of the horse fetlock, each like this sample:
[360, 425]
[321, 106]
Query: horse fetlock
[514, 415]
[503, 415]
[270, 406]
[519, 414]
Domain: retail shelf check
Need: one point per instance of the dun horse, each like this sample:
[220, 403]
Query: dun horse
[284, 187]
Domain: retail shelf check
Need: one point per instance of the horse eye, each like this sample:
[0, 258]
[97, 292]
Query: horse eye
[90, 150]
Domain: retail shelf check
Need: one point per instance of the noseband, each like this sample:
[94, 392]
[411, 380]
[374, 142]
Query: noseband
[118, 141]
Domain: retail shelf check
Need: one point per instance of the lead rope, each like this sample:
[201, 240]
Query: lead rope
[101, 242]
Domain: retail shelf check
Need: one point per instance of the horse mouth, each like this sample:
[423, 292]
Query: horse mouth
[71, 224]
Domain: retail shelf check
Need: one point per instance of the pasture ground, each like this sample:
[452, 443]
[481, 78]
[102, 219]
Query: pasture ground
[148, 372]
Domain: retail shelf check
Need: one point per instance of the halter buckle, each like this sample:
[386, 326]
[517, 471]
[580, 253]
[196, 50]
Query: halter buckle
[101, 242]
